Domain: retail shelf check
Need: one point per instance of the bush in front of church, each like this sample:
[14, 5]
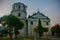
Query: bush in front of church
[4, 32]
[45, 29]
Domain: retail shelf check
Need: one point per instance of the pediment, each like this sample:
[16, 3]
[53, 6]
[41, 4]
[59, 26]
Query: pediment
[38, 15]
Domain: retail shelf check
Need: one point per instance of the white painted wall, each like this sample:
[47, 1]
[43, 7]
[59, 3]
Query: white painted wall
[35, 24]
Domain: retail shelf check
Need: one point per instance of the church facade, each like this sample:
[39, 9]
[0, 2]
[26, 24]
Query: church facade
[19, 10]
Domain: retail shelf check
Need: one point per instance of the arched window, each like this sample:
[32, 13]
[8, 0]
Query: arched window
[19, 6]
[46, 23]
[19, 14]
[14, 7]
[31, 22]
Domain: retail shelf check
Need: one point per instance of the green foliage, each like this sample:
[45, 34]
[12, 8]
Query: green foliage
[16, 31]
[2, 38]
[45, 29]
[4, 31]
[12, 22]
[39, 28]
[53, 29]
[56, 29]
[39, 23]
[0, 20]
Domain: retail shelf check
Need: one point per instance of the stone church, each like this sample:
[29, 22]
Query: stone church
[19, 10]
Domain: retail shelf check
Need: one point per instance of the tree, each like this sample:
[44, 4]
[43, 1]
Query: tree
[0, 20]
[39, 28]
[45, 29]
[53, 30]
[12, 22]
[4, 31]
[56, 29]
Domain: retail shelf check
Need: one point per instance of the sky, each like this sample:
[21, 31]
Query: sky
[50, 8]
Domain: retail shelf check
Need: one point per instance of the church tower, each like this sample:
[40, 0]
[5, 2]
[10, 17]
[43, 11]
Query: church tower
[19, 10]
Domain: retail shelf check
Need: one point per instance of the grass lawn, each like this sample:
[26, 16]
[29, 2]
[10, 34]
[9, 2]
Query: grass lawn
[4, 38]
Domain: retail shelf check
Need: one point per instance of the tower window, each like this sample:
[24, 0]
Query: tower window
[19, 14]
[19, 6]
[31, 22]
[14, 7]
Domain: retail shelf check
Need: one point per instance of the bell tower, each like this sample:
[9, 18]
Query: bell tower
[19, 10]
